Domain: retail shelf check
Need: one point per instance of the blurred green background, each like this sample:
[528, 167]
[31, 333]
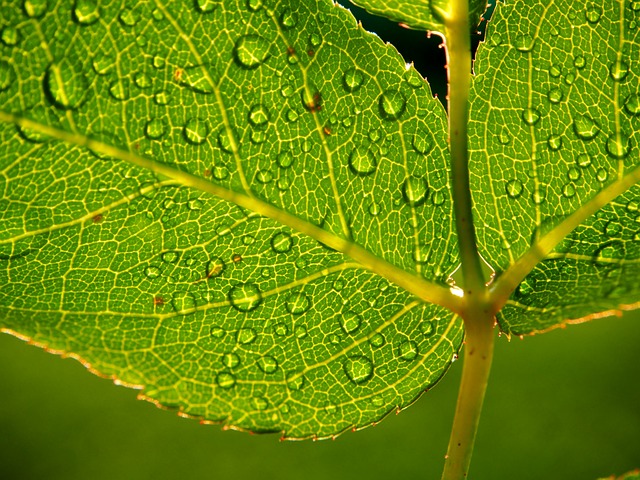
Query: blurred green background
[564, 405]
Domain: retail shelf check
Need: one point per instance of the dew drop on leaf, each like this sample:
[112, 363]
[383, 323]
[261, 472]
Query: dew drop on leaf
[155, 128]
[206, 6]
[427, 328]
[408, 350]
[197, 78]
[230, 360]
[514, 188]
[161, 98]
[374, 209]
[34, 8]
[555, 95]
[183, 301]
[225, 380]
[350, 322]
[300, 331]
[583, 160]
[128, 17]
[65, 85]
[362, 162]
[618, 70]
[169, 257]
[196, 131]
[377, 401]
[284, 159]
[244, 336]
[574, 173]
[288, 19]
[568, 190]
[504, 138]
[554, 142]
[295, 381]
[524, 43]
[86, 12]
[632, 104]
[377, 340]
[297, 303]
[530, 116]
[268, 364]
[254, 5]
[422, 142]
[152, 271]
[579, 62]
[352, 79]
[142, 80]
[6, 75]
[281, 330]
[414, 191]
[9, 36]
[593, 14]
[260, 403]
[585, 127]
[217, 332]
[602, 175]
[250, 51]
[245, 297]
[538, 197]
[281, 242]
[215, 267]
[258, 115]
[618, 145]
[117, 90]
[392, 104]
[358, 368]
[219, 171]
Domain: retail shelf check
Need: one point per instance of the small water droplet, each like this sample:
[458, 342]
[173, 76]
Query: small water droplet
[538, 197]
[254, 5]
[268, 364]
[331, 409]
[414, 191]
[514, 188]
[392, 104]
[9, 36]
[152, 271]
[6, 75]
[422, 142]
[377, 401]
[217, 332]
[292, 115]
[118, 90]
[284, 159]
[574, 173]
[583, 160]
[613, 229]
[155, 128]
[215, 267]
[158, 62]
[264, 176]
[438, 197]
[161, 98]
[554, 142]
[34, 8]
[568, 190]
[128, 17]
[602, 175]
[632, 104]
[86, 12]
[219, 171]
[554, 71]
[258, 115]
[295, 381]
[183, 302]
[408, 350]
[524, 43]
[618, 70]
[413, 78]
[142, 80]
[288, 19]
[287, 90]
[374, 209]
[196, 131]
[260, 403]
[65, 85]
[300, 332]
[585, 127]
[206, 6]
[579, 62]
[230, 360]
[362, 162]
[170, 256]
[197, 78]
[350, 322]
[244, 336]
[530, 116]
[281, 330]
[225, 380]
[618, 145]
[427, 329]
[281, 242]
[555, 95]
[352, 79]
[245, 297]
[504, 138]
[338, 284]
[297, 303]
[194, 204]
[358, 368]
[593, 14]
[377, 340]
[250, 51]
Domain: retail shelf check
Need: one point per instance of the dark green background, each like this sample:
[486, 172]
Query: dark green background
[564, 405]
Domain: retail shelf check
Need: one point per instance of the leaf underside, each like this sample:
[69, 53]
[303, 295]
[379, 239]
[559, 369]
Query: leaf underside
[555, 119]
[214, 309]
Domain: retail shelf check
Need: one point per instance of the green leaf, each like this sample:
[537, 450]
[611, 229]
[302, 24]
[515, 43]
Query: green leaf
[180, 188]
[428, 15]
[555, 128]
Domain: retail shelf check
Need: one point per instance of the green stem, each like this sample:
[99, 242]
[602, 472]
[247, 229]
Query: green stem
[478, 353]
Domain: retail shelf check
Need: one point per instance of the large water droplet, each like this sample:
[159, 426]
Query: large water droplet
[618, 70]
[86, 12]
[155, 128]
[408, 350]
[414, 191]
[225, 380]
[250, 51]
[230, 360]
[281, 242]
[585, 127]
[268, 364]
[593, 14]
[524, 43]
[632, 104]
[530, 116]
[197, 78]
[362, 162]
[258, 115]
[65, 85]
[392, 104]
[352, 79]
[206, 6]
[618, 145]
[34, 8]
[350, 322]
[358, 368]
[514, 188]
[196, 131]
[245, 297]
[297, 303]
[118, 91]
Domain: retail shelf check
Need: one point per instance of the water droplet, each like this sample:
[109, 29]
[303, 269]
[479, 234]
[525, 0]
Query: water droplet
[352, 79]
[230, 360]
[362, 162]
[197, 78]
[374, 209]
[128, 17]
[602, 175]
[632, 104]
[206, 6]
[311, 99]
[315, 39]
[504, 138]
[268, 364]
[554, 71]
[244, 336]
[86, 12]
[585, 127]
[161, 98]
[292, 115]
[408, 350]
[65, 86]
[618, 145]
[593, 14]
[6, 75]
[170, 257]
[427, 329]
[635, 5]
[152, 271]
[10, 36]
[158, 62]
[142, 80]
[618, 70]
[183, 302]
[245, 297]
[254, 5]
[258, 115]
[264, 176]
[568, 190]
[530, 116]
[300, 331]
[219, 171]
[377, 340]
[423, 142]
[377, 401]
[579, 62]
[285, 159]
[350, 322]
[117, 90]
[554, 142]
[574, 173]
[250, 51]
[260, 403]
[538, 197]
[287, 90]
[287, 19]
[215, 267]
[217, 332]
[34, 8]
[331, 409]
[281, 242]
[413, 78]
[524, 43]
[155, 128]
[334, 339]
[555, 95]
[225, 380]
[297, 303]
[583, 160]
[514, 188]
[414, 191]
[295, 381]
[281, 330]
[613, 229]
[358, 368]
[438, 198]
[196, 131]
[392, 104]
[338, 284]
